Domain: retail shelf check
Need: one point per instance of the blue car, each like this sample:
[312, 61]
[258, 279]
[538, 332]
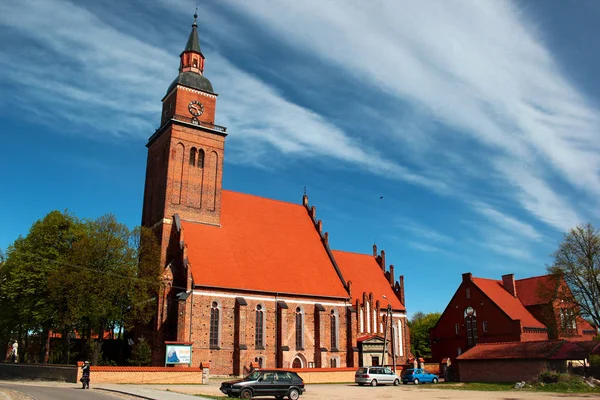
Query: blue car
[417, 376]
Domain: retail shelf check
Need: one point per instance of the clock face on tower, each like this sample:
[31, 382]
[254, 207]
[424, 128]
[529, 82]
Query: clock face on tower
[195, 108]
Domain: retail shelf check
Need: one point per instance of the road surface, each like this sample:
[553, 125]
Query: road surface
[44, 392]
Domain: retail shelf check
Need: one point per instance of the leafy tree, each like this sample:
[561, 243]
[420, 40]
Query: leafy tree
[141, 353]
[30, 261]
[419, 325]
[577, 260]
[121, 269]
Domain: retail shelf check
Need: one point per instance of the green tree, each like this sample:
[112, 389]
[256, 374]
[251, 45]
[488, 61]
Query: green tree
[141, 353]
[577, 260]
[419, 325]
[30, 261]
[121, 270]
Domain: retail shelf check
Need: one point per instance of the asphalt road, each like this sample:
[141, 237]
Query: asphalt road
[56, 393]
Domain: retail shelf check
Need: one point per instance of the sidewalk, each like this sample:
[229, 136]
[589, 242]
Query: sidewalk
[148, 393]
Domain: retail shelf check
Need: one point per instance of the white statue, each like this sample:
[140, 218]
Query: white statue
[15, 351]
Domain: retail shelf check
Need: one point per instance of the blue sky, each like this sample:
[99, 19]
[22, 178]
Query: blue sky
[477, 121]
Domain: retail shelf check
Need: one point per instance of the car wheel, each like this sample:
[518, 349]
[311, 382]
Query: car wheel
[293, 394]
[396, 382]
[373, 383]
[416, 381]
[246, 394]
[435, 380]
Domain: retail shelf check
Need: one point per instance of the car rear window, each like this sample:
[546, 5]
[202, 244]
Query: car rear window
[409, 371]
[362, 371]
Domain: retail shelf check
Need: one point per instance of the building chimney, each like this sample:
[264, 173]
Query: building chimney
[374, 250]
[467, 277]
[326, 238]
[383, 260]
[508, 281]
[320, 226]
[402, 290]
[349, 288]
[313, 213]
[305, 200]
[391, 277]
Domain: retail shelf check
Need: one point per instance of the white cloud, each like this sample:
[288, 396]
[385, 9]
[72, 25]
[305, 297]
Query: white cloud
[478, 68]
[507, 222]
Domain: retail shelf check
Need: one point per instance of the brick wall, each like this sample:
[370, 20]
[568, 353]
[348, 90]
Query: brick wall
[64, 373]
[500, 370]
[237, 345]
[143, 375]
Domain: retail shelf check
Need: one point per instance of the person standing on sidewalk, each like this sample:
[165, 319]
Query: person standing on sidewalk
[85, 375]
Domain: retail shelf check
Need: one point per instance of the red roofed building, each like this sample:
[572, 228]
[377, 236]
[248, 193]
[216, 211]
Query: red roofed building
[249, 279]
[507, 310]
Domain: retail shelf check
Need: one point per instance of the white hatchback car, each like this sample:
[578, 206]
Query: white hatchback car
[376, 376]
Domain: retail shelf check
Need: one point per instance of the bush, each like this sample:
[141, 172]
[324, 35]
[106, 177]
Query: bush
[141, 354]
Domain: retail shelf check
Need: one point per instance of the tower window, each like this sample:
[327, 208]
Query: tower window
[200, 158]
[484, 326]
[468, 293]
[193, 156]
[195, 62]
[214, 324]
[457, 328]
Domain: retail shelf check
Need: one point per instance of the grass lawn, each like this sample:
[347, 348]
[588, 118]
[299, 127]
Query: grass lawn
[574, 386]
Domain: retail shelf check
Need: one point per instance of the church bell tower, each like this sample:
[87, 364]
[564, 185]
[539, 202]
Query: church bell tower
[185, 155]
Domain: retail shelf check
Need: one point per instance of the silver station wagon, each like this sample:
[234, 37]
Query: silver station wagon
[376, 376]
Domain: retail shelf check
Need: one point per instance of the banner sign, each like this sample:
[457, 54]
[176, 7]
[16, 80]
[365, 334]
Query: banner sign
[178, 354]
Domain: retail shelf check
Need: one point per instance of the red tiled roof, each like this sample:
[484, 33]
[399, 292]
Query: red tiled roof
[366, 276]
[536, 290]
[512, 350]
[574, 350]
[507, 302]
[367, 337]
[264, 245]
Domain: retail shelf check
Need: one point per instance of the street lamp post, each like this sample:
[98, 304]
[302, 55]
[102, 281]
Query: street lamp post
[387, 322]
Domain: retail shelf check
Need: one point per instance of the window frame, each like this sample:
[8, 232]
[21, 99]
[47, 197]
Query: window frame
[259, 326]
[214, 332]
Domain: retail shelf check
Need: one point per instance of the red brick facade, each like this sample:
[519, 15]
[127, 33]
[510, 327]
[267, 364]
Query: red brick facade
[507, 310]
[237, 266]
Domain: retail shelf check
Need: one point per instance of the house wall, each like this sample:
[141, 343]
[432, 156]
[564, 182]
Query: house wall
[500, 370]
[445, 342]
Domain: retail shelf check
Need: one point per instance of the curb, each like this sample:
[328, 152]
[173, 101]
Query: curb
[127, 393]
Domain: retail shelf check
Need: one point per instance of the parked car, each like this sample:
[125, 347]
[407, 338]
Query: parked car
[376, 376]
[266, 383]
[417, 376]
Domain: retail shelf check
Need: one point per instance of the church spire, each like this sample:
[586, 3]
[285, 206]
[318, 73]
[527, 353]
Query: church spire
[191, 57]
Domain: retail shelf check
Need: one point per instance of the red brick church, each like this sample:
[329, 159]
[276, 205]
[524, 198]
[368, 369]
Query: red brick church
[249, 279]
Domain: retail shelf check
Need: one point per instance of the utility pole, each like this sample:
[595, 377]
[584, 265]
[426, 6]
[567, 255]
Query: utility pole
[393, 339]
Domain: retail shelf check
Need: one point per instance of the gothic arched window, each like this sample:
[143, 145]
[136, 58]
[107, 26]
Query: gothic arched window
[214, 324]
[471, 324]
[193, 156]
[259, 327]
[334, 329]
[200, 158]
[299, 328]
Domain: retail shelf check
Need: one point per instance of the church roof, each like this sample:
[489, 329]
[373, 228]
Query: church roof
[366, 276]
[537, 290]
[193, 44]
[511, 305]
[262, 245]
[192, 80]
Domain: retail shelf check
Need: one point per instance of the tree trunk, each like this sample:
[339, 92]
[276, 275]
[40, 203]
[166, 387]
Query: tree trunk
[66, 345]
[98, 345]
[44, 345]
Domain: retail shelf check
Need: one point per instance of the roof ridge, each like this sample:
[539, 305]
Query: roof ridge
[488, 279]
[264, 198]
[353, 252]
[535, 277]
